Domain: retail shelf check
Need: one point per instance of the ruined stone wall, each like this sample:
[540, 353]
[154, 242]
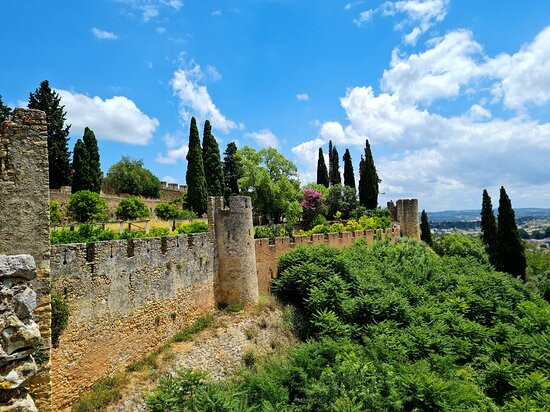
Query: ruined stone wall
[19, 333]
[125, 299]
[24, 217]
[268, 252]
[236, 280]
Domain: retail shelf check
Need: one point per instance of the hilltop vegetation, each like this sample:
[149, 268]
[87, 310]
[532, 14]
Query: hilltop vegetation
[394, 328]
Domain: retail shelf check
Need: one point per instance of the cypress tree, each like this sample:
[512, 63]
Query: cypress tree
[212, 163]
[81, 166]
[94, 166]
[5, 111]
[334, 176]
[232, 170]
[45, 99]
[196, 182]
[349, 176]
[489, 228]
[368, 180]
[322, 173]
[510, 251]
[330, 162]
[425, 232]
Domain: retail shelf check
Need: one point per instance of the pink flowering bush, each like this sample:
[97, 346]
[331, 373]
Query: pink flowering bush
[312, 205]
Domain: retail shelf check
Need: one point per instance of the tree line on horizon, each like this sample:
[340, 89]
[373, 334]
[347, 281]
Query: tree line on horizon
[368, 176]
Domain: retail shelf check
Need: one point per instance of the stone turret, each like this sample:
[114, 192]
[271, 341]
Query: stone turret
[405, 212]
[233, 236]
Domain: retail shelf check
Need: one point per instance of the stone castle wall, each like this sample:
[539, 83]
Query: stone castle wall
[20, 334]
[125, 299]
[268, 252]
[24, 218]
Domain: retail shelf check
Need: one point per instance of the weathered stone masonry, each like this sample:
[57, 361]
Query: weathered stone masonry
[125, 299]
[24, 218]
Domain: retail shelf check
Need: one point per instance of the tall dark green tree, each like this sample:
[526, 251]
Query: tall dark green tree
[81, 166]
[489, 228]
[212, 162]
[94, 166]
[425, 232]
[510, 250]
[322, 172]
[232, 170]
[5, 111]
[349, 176]
[368, 180]
[197, 192]
[334, 175]
[47, 100]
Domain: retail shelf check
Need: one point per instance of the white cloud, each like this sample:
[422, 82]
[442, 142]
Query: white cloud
[195, 99]
[302, 97]
[117, 118]
[104, 35]
[347, 6]
[172, 156]
[150, 9]
[264, 138]
[168, 179]
[363, 17]
[526, 74]
[148, 12]
[420, 14]
[447, 159]
[438, 72]
[160, 30]
[175, 4]
[212, 74]
[217, 12]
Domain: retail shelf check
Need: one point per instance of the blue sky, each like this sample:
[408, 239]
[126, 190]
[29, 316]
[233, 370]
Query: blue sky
[453, 95]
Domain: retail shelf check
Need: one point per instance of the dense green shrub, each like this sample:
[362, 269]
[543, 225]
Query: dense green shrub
[60, 316]
[55, 213]
[395, 328]
[270, 231]
[84, 234]
[168, 211]
[538, 271]
[86, 206]
[457, 244]
[193, 227]
[131, 208]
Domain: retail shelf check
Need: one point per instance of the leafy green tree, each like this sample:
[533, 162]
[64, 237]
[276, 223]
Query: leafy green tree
[168, 211]
[334, 174]
[489, 228]
[5, 111]
[510, 250]
[131, 208]
[197, 192]
[232, 170]
[368, 180]
[47, 100]
[425, 232]
[322, 173]
[129, 176]
[86, 206]
[349, 176]
[94, 166]
[60, 316]
[272, 182]
[341, 199]
[212, 164]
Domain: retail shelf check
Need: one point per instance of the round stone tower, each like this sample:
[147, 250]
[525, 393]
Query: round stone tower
[237, 280]
[406, 213]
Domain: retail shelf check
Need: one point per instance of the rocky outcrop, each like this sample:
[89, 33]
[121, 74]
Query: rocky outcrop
[19, 334]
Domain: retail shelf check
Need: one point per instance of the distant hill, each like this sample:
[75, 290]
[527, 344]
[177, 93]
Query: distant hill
[473, 215]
